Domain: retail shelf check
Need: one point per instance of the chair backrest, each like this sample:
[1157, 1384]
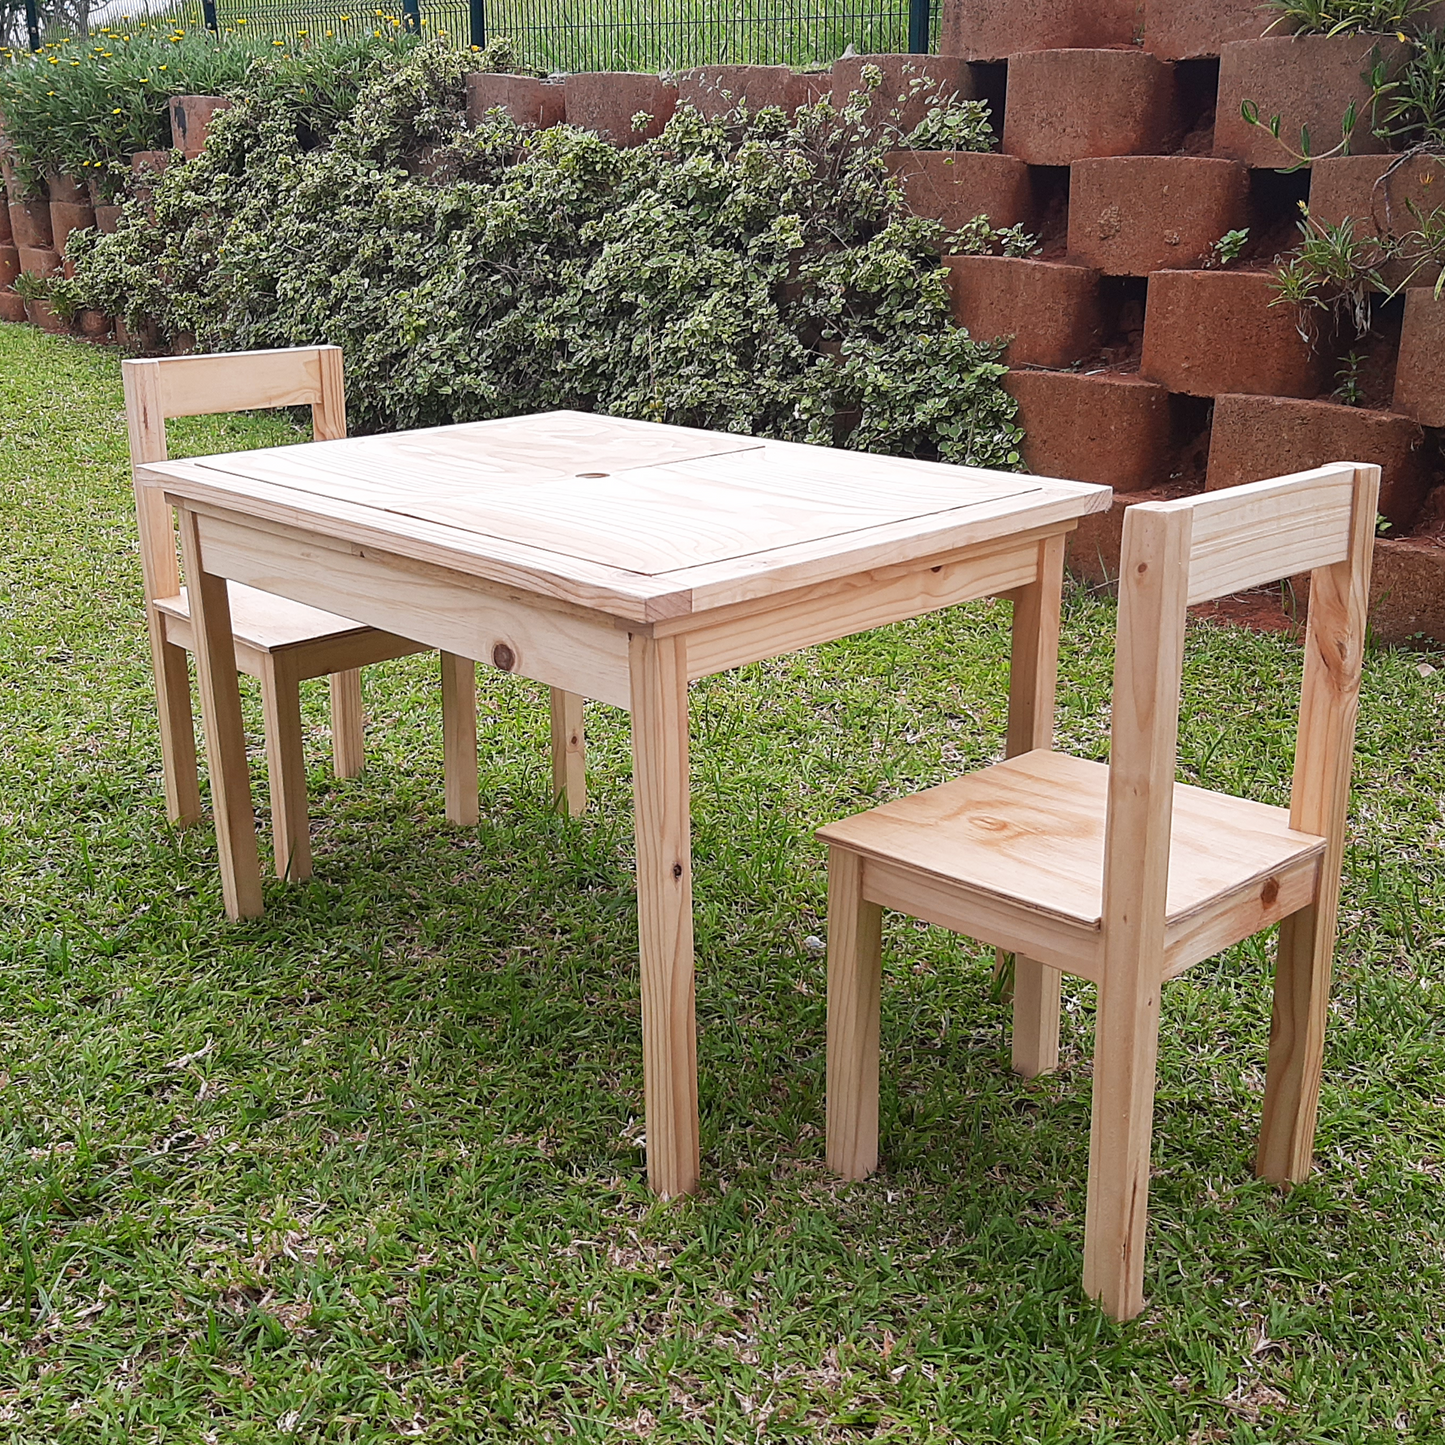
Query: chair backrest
[159, 388]
[1195, 549]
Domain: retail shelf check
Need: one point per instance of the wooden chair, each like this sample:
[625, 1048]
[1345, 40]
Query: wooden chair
[1121, 875]
[277, 641]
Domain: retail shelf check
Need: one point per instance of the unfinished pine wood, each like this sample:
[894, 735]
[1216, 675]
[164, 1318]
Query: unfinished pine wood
[1148, 665]
[1319, 800]
[1033, 678]
[267, 627]
[348, 728]
[286, 768]
[664, 911]
[459, 739]
[225, 739]
[569, 752]
[583, 654]
[1124, 876]
[676, 536]
[855, 961]
[807, 544]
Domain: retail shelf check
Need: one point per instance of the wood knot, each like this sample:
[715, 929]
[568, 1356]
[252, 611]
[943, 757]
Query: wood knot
[989, 824]
[1142, 568]
[677, 870]
[504, 657]
[1269, 892]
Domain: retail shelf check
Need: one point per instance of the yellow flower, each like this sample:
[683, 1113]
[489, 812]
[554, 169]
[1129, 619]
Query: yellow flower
[116, 111]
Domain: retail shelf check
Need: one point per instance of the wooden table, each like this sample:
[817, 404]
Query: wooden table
[618, 560]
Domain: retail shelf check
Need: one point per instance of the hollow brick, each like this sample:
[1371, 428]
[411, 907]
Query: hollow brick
[1067, 105]
[1107, 428]
[1131, 215]
[911, 86]
[1197, 29]
[955, 186]
[525, 98]
[605, 101]
[1211, 332]
[1255, 437]
[1050, 310]
[1305, 80]
[998, 29]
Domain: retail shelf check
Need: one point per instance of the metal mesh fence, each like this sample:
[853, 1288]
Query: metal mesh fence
[574, 35]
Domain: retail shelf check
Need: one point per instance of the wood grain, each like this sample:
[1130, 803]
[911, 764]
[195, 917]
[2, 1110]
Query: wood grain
[459, 739]
[348, 728]
[664, 911]
[286, 768]
[569, 752]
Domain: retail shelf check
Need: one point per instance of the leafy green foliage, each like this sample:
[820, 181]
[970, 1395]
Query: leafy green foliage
[1333, 269]
[1411, 106]
[761, 276]
[1228, 248]
[1347, 17]
[84, 107]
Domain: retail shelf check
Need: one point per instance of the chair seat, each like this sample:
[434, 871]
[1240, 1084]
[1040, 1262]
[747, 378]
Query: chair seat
[264, 621]
[1028, 833]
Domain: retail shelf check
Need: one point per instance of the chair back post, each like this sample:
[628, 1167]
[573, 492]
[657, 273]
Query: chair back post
[1330, 695]
[328, 411]
[146, 427]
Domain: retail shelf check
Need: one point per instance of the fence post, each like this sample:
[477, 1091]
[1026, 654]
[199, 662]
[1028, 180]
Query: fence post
[411, 14]
[479, 23]
[32, 24]
[920, 26]
[208, 14]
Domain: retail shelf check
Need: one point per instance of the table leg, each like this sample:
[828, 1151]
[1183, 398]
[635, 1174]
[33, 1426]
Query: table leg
[215, 648]
[1033, 676]
[664, 910]
[569, 753]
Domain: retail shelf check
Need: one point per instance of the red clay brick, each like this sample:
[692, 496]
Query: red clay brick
[12, 306]
[1211, 332]
[1420, 374]
[1196, 29]
[65, 189]
[718, 90]
[606, 101]
[1358, 188]
[1306, 80]
[6, 238]
[1255, 437]
[39, 260]
[9, 265]
[1066, 105]
[1130, 215]
[998, 29]
[911, 86]
[955, 186]
[1407, 589]
[30, 223]
[524, 98]
[1049, 309]
[68, 216]
[107, 218]
[191, 117]
[1104, 428]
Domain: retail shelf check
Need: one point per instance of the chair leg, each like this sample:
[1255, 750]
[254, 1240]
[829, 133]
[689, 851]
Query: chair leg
[177, 727]
[569, 753]
[855, 944]
[286, 768]
[1036, 1017]
[1126, 1048]
[1296, 1045]
[459, 739]
[348, 740]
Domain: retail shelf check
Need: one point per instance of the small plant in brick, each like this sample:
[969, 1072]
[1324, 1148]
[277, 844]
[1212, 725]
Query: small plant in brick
[1349, 388]
[1347, 17]
[1331, 272]
[1227, 249]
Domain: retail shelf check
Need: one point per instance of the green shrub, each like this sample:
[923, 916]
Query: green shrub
[1348, 17]
[760, 276]
[84, 107]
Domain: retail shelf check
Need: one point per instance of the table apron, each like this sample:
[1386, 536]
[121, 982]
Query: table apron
[561, 649]
[839, 610]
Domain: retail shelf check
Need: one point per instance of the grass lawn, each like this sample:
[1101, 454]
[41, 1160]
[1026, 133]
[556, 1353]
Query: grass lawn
[369, 1169]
